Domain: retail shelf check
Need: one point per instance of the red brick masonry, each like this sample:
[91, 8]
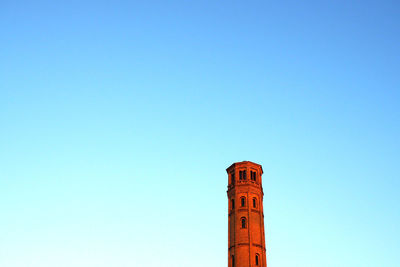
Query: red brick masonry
[246, 236]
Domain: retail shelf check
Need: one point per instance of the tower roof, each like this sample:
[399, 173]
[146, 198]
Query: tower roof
[245, 163]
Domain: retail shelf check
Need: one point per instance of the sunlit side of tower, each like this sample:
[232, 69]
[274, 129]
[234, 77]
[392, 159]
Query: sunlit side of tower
[246, 237]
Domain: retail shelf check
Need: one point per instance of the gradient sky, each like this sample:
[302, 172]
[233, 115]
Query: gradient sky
[119, 118]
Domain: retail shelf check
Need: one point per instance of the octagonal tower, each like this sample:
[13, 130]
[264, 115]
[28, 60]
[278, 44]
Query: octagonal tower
[246, 236]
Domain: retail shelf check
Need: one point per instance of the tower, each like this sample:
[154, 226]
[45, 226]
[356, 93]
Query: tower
[246, 236]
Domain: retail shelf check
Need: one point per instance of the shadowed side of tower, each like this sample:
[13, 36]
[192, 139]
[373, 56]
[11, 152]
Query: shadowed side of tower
[246, 237]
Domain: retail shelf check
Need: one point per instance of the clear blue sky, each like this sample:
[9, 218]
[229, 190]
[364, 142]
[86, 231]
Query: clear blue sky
[118, 119]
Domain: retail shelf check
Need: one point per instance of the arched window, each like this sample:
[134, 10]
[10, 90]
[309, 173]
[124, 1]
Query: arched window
[253, 176]
[254, 203]
[242, 201]
[257, 259]
[242, 175]
[244, 224]
[233, 260]
[232, 203]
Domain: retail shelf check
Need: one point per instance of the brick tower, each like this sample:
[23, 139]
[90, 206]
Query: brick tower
[246, 237]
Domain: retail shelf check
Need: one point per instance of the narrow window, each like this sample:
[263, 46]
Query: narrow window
[244, 175]
[254, 203]
[257, 260]
[233, 260]
[253, 176]
[242, 201]
[232, 178]
[243, 222]
[232, 203]
[240, 175]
